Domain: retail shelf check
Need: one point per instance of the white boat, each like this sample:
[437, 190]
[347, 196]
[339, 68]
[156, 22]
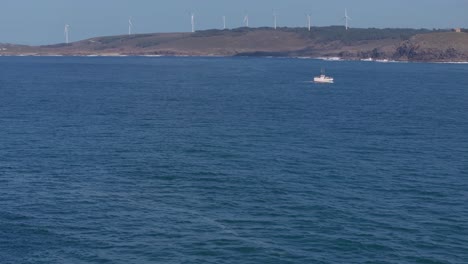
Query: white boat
[323, 78]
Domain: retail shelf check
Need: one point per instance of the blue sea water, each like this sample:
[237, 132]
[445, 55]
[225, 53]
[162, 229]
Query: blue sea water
[232, 160]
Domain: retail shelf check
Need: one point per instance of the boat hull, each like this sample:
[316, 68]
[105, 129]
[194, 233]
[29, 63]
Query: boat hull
[323, 80]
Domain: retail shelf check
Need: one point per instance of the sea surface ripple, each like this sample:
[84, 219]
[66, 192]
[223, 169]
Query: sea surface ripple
[232, 160]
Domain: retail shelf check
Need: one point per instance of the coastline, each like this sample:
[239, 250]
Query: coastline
[327, 43]
[328, 59]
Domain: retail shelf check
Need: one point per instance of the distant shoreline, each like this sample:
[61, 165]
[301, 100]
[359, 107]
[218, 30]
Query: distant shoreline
[332, 59]
[329, 43]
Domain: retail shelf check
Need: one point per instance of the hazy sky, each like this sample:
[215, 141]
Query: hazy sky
[42, 21]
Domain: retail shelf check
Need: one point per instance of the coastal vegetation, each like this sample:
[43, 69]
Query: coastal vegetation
[333, 41]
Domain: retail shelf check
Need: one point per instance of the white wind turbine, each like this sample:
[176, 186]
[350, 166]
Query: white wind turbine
[224, 22]
[130, 26]
[246, 20]
[309, 21]
[346, 18]
[192, 20]
[67, 32]
[274, 19]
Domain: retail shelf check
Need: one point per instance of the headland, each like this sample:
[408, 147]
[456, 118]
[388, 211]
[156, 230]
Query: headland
[398, 44]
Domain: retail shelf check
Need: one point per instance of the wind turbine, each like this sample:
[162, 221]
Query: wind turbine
[67, 31]
[192, 20]
[346, 18]
[246, 20]
[130, 26]
[224, 22]
[309, 21]
[274, 19]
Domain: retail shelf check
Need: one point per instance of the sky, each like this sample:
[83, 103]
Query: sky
[37, 22]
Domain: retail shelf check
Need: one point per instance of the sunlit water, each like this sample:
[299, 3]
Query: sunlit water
[232, 160]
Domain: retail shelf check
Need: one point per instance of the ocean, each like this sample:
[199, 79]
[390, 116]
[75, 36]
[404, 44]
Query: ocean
[232, 160]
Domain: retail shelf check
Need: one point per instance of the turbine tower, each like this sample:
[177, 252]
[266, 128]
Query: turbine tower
[224, 22]
[130, 26]
[309, 21]
[192, 20]
[274, 19]
[67, 31]
[246, 20]
[346, 18]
